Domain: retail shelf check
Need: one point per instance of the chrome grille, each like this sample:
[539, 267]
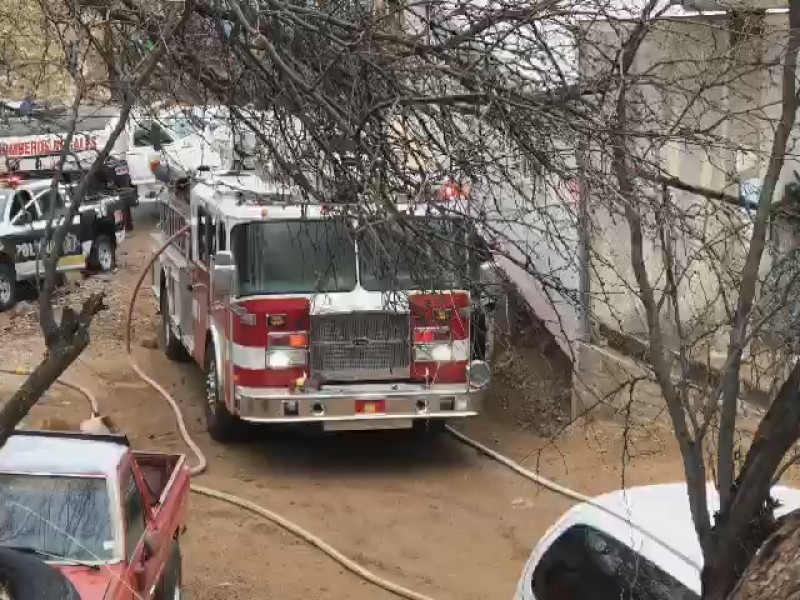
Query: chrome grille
[360, 346]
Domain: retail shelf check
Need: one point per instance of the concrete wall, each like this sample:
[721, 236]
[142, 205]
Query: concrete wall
[535, 219]
[739, 107]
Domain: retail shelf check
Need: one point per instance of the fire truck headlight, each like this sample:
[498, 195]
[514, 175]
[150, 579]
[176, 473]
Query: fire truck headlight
[285, 358]
[442, 353]
[433, 353]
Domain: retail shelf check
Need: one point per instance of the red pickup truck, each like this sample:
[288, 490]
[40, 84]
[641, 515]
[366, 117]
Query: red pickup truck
[101, 521]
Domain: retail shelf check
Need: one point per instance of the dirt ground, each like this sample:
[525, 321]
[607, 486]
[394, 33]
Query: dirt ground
[433, 516]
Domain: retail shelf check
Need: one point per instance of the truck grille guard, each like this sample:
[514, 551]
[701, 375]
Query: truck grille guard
[360, 346]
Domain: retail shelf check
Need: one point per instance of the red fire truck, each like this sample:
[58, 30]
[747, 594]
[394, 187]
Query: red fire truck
[322, 315]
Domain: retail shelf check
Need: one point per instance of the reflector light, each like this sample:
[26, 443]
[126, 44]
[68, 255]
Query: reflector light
[298, 340]
[289, 340]
[276, 320]
[441, 314]
[154, 164]
[427, 335]
[370, 407]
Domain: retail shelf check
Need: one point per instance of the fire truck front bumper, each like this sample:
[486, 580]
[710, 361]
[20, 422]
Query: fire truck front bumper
[364, 406]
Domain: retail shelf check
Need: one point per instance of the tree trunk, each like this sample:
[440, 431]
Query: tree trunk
[775, 573]
[70, 339]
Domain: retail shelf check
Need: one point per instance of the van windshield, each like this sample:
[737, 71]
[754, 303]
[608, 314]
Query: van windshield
[294, 257]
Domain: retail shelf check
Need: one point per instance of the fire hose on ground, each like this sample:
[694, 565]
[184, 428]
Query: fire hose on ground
[330, 551]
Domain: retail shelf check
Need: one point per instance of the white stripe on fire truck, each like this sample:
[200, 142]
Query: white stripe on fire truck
[249, 357]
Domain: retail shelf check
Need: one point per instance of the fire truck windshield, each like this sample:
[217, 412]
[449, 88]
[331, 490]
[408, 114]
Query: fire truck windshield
[294, 257]
[422, 253]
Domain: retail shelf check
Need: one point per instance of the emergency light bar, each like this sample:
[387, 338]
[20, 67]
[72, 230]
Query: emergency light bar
[10, 181]
[451, 191]
[15, 178]
[248, 198]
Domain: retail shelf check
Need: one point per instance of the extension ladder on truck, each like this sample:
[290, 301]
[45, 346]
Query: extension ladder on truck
[174, 214]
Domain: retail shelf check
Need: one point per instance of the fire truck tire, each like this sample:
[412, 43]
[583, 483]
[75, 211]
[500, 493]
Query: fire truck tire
[27, 577]
[8, 287]
[103, 255]
[171, 585]
[223, 427]
[173, 348]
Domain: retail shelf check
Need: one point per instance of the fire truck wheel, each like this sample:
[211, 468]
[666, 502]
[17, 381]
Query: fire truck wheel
[222, 425]
[103, 255]
[171, 585]
[8, 287]
[23, 576]
[173, 348]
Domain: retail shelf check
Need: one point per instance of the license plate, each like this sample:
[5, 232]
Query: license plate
[370, 407]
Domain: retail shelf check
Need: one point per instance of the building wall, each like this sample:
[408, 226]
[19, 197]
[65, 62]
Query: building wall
[692, 54]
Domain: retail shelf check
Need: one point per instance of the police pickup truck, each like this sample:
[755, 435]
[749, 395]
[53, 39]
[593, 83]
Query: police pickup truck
[25, 207]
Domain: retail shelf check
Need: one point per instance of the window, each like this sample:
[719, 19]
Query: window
[150, 133]
[294, 257]
[221, 237]
[184, 125]
[206, 236]
[65, 516]
[22, 202]
[202, 247]
[586, 564]
[134, 514]
[44, 201]
[419, 253]
[211, 233]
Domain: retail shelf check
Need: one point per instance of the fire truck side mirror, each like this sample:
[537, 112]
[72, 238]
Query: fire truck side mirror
[223, 274]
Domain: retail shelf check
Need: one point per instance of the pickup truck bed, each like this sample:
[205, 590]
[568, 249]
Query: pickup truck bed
[112, 517]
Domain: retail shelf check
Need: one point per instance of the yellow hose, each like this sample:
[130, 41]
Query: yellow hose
[93, 405]
[332, 552]
[201, 459]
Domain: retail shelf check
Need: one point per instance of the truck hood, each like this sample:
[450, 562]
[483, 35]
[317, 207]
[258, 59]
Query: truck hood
[92, 585]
